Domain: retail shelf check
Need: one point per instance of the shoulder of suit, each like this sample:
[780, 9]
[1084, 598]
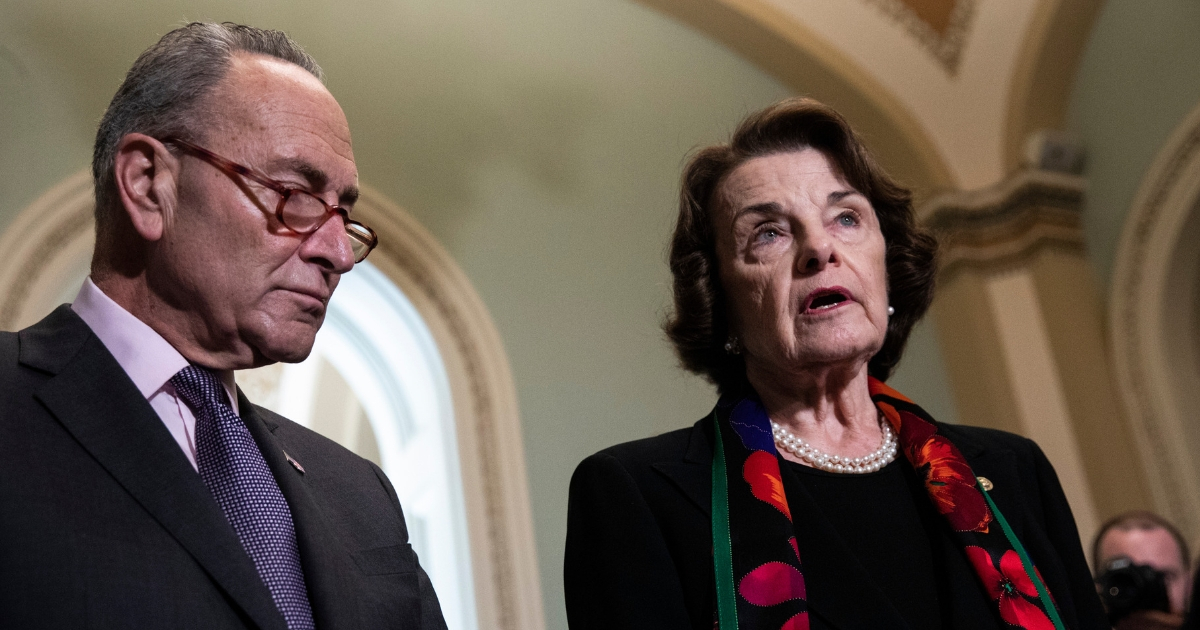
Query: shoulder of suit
[306, 442]
[672, 445]
[981, 439]
[9, 353]
[8, 347]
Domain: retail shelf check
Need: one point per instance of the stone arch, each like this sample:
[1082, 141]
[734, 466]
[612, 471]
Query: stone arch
[1154, 314]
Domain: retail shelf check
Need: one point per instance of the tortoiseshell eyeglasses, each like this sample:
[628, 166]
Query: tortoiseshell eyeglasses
[298, 210]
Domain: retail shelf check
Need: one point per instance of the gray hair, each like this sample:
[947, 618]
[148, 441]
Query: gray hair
[162, 92]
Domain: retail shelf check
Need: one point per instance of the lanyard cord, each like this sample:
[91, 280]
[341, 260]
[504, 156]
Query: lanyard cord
[722, 543]
[1043, 592]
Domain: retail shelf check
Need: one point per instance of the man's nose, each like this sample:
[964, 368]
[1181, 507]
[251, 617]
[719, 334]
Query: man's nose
[329, 246]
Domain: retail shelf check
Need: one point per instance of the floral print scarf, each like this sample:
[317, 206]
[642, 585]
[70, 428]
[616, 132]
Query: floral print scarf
[760, 575]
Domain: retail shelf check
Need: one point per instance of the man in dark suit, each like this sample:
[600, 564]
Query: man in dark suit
[138, 487]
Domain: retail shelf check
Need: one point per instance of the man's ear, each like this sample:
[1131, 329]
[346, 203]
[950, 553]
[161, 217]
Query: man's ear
[146, 175]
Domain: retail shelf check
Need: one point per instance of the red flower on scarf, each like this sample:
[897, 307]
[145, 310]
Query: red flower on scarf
[1008, 586]
[771, 584]
[951, 484]
[761, 471]
[948, 478]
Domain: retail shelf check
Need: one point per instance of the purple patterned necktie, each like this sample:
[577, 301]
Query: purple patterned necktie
[237, 475]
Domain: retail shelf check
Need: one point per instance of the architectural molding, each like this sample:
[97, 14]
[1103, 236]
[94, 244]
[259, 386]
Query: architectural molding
[1152, 314]
[804, 61]
[1045, 74]
[53, 236]
[50, 243]
[946, 46]
[1002, 226]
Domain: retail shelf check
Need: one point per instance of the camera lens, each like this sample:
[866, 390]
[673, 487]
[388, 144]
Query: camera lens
[1126, 588]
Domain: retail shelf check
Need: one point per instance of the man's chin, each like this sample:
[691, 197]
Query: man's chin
[284, 348]
[287, 356]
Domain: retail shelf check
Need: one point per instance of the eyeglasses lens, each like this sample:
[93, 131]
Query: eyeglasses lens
[304, 213]
[362, 240]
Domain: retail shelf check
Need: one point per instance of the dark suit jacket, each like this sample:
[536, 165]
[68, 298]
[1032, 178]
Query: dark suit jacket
[105, 524]
[639, 540]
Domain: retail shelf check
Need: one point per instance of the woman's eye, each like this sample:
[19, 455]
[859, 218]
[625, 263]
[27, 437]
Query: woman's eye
[767, 235]
[848, 220]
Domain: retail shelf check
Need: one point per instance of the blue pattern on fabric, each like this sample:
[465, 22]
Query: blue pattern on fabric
[750, 422]
[237, 475]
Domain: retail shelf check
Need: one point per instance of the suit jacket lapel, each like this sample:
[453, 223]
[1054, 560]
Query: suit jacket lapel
[91, 396]
[326, 573]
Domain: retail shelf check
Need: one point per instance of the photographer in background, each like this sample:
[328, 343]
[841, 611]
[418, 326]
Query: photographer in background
[1142, 571]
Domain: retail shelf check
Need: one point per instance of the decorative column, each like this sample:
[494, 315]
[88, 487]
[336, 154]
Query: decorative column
[1022, 331]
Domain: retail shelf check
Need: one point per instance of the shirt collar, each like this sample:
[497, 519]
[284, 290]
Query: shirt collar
[148, 359]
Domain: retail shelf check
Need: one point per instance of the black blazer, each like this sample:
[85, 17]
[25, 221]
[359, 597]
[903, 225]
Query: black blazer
[105, 524]
[639, 540]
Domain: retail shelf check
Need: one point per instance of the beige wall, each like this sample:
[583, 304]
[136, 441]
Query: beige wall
[1136, 82]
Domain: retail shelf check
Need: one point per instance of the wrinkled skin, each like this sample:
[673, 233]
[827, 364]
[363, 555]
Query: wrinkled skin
[223, 281]
[787, 225]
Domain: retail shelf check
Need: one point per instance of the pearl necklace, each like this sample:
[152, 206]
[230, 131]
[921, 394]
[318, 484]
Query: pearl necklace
[834, 463]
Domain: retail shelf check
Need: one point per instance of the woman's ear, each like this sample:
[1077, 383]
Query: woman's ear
[146, 176]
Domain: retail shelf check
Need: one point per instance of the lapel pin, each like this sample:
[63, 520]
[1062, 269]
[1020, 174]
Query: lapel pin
[295, 464]
[984, 482]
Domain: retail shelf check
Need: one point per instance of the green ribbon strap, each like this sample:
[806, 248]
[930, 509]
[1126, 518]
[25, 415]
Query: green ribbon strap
[1043, 592]
[722, 543]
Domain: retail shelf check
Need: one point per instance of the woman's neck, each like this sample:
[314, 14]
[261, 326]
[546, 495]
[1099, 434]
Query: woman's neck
[829, 408]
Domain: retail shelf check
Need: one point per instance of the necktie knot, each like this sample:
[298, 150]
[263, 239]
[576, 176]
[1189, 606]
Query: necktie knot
[199, 387]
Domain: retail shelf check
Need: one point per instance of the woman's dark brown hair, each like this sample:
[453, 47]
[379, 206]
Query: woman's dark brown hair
[699, 327]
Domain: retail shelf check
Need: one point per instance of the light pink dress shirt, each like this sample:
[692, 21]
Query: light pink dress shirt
[148, 359]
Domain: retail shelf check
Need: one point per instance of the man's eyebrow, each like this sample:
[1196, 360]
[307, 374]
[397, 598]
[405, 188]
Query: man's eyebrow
[317, 180]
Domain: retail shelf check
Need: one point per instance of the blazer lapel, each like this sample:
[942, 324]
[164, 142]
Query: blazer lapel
[693, 474]
[324, 559]
[999, 467]
[91, 396]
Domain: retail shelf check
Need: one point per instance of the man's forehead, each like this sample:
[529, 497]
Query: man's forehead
[1141, 544]
[257, 86]
[257, 66]
[278, 114]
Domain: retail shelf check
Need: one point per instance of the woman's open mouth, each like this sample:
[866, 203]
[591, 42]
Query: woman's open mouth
[826, 299]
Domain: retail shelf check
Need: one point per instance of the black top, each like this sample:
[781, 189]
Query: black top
[890, 529]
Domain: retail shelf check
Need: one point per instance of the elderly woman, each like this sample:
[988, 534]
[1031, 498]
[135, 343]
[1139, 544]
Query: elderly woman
[813, 495]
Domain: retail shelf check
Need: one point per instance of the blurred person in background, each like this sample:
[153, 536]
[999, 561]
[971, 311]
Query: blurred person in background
[1142, 571]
